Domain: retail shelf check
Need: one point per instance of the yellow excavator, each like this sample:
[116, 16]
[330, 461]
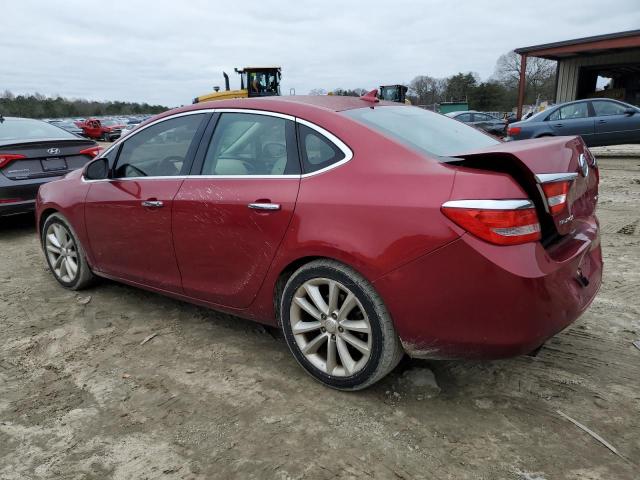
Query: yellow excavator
[254, 82]
[394, 93]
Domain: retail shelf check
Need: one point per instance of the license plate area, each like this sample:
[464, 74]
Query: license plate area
[53, 164]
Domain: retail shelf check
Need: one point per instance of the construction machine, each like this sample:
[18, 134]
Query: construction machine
[394, 93]
[254, 82]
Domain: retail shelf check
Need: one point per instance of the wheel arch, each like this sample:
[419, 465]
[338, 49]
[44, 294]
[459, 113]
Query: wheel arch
[46, 213]
[288, 270]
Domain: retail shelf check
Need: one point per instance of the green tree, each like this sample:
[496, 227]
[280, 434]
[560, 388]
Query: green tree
[460, 86]
[40, 106]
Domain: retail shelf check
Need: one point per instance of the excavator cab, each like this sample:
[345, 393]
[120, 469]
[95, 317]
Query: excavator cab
[260, 82]
[254, 82]
[394, 93]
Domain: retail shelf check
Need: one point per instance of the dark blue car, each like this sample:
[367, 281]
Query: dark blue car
[600, 121]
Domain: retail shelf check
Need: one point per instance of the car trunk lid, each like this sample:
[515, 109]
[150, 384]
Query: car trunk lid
[44, 158]
[559, 174]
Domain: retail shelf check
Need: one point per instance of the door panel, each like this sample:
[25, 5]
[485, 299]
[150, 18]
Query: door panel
[229, 223]
[613, 126]
[130, 240]
[128, 217]
[572, 119]
[223, 246]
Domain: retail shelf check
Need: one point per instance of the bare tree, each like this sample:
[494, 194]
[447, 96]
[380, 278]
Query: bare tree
[539, 73]
[427, 90]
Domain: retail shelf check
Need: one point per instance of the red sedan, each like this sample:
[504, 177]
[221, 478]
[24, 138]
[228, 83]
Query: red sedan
[365, 229]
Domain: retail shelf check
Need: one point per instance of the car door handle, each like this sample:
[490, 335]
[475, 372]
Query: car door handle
[558, 125]
[264, 206]
[602, 121]
[152, 204]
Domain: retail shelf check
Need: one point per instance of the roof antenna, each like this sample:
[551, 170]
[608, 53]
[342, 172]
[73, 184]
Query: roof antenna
[371, 96]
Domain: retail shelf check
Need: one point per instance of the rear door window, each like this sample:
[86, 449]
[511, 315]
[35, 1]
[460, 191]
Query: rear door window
[570, 112]
[252, 144]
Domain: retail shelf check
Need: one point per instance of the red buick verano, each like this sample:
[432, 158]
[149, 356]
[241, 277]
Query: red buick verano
[365, 229]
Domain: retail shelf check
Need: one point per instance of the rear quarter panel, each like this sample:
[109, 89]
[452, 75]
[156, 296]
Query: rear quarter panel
[374, 213]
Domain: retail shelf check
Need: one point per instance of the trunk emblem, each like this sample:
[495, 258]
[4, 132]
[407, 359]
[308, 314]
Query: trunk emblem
[53, 151]
[584, 166]
[566, 220]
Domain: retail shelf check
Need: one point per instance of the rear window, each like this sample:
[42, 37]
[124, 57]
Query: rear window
[422, 130]
[27, 129]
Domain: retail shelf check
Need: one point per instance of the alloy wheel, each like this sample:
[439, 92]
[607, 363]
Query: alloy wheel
[61, 252]
[330, 327]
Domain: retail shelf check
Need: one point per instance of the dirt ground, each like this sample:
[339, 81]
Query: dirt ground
[214, 396]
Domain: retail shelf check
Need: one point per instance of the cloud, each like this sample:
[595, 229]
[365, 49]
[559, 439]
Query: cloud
[168, 52]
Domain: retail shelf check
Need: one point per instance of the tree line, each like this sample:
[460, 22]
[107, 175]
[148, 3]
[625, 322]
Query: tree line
[41, 106]
[499, 93]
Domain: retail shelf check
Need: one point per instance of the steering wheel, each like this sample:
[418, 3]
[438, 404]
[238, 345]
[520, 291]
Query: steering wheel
[168, 165]
[274, 150]
[128, 167]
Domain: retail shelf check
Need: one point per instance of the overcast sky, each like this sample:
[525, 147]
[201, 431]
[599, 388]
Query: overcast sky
[168, 52]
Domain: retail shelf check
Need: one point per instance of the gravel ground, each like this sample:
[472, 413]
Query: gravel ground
[214, 396]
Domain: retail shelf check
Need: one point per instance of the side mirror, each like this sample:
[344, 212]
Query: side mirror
[98, 169]
[629, 111]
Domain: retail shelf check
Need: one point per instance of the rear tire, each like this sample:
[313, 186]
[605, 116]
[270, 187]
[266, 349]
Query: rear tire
[64, 253]
[337, 327]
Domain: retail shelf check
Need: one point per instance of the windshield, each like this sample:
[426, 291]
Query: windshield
[27, 129]
[422, 130]
[537, 116]
[390, 94]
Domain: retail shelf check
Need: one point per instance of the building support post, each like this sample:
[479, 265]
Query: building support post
[523, 73]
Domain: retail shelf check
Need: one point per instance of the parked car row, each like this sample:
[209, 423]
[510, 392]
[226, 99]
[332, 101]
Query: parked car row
[106, 129]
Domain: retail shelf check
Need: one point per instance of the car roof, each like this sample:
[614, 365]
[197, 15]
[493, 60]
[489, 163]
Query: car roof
[309, 107]
[336, 103]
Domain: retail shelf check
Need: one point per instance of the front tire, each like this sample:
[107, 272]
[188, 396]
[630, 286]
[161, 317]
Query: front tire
[64, 253]
[337, 326]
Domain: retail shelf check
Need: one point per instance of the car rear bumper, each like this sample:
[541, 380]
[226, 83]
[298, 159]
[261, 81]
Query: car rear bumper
[471, 299]
[18, 196]
[7, 209]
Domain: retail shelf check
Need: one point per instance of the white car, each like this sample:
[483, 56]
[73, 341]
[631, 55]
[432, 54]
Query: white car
[127, 129]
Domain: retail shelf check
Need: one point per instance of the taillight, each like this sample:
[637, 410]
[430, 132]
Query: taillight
[91, 151]
[556, 194]
[502, 222]
[511, 131]
[7, 158]
[10, 200]
[555, 187]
